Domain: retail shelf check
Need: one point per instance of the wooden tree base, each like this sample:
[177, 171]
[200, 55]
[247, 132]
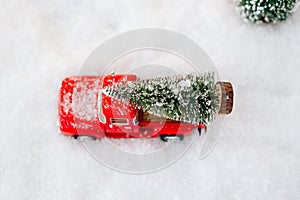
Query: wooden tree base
[226, 98]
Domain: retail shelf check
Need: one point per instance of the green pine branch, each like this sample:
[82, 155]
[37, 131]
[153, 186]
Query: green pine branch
[266, 11]
[188, 98]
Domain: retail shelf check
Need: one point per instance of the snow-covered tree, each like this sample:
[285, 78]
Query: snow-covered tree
[266, 11]
[188, 98]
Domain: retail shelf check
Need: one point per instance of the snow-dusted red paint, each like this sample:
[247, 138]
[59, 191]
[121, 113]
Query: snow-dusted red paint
[82, 112]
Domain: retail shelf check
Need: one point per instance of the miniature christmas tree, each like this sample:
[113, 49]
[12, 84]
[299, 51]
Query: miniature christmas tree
[266, 11]
[188, 98]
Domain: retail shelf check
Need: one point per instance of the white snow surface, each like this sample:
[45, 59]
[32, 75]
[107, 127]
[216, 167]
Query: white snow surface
[43, 42]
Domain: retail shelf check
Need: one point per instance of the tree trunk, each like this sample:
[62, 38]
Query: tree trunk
[226, 99]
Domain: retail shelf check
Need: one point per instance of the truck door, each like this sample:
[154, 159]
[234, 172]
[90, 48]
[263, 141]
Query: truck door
[119, 120]
[119, 115]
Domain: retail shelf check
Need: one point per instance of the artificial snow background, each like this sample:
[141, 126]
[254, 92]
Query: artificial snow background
[44, 41]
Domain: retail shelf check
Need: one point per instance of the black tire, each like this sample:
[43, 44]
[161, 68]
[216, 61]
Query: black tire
[166, 138]
[82, 138]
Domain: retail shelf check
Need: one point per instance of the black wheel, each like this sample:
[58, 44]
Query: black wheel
[167, 138]
[84, 138]
[75, 137]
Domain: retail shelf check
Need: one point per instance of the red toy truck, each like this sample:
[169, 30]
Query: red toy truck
[84, 111]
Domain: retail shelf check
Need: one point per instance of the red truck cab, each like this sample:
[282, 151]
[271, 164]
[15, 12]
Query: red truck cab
[84, 110]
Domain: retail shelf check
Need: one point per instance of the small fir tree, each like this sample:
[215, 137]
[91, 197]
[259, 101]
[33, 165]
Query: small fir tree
[188, 98]
[266, 11]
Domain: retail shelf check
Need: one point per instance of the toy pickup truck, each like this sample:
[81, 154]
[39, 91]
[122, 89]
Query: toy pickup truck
[85, 111]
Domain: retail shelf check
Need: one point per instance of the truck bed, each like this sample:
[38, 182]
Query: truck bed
[145, 116]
